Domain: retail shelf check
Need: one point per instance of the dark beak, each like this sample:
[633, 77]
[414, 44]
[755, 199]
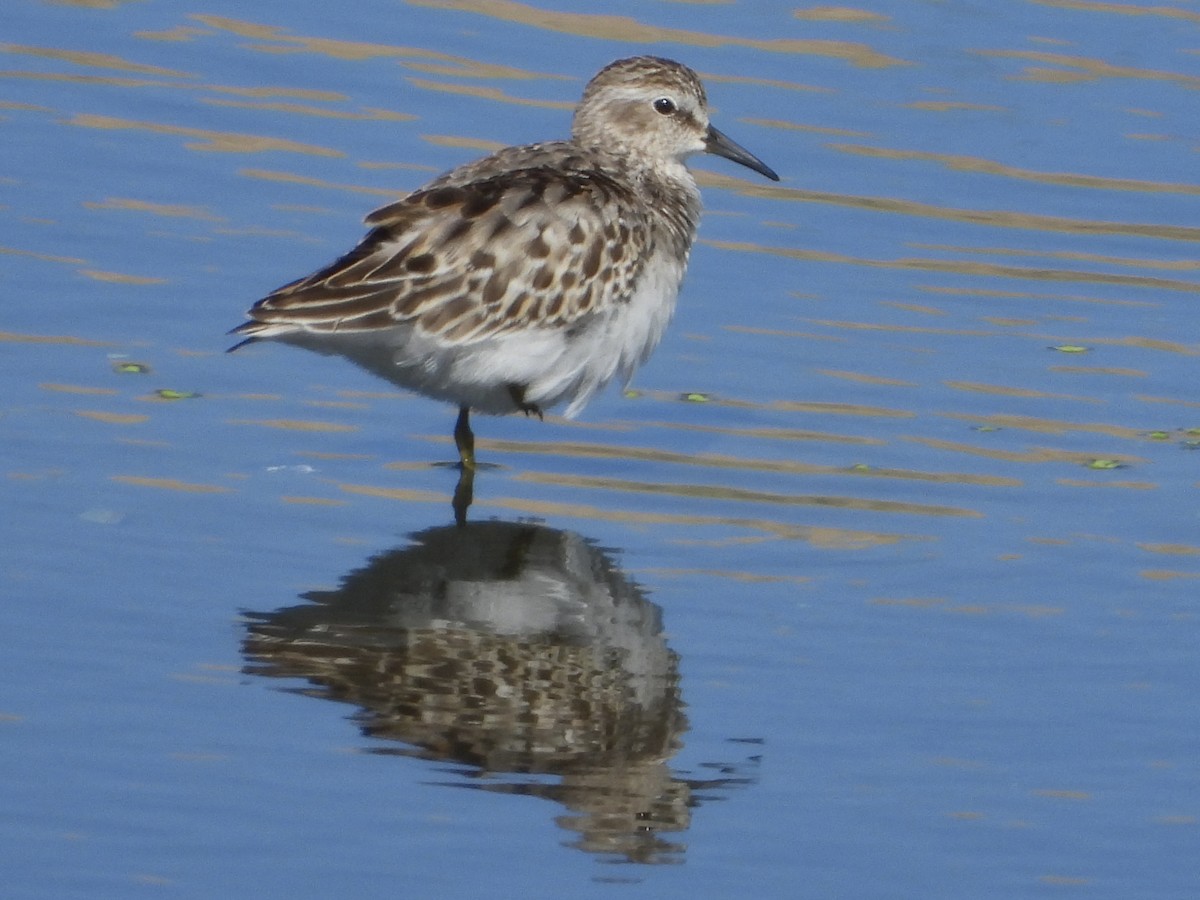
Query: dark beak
[719, 144]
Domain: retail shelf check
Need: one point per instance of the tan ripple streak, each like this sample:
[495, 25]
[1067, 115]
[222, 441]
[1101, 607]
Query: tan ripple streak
[1036, 455]
[623, 28]
[94, 60]
[991, 167]
[1122, 9]
[718, 461]
[220, 141]
[1086, 68]
[714, 492]
[965, 267]
[441, 63]
[994, 218]
[172, 484]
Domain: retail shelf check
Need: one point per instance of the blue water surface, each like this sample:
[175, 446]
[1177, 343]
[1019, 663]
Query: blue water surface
[878, 582]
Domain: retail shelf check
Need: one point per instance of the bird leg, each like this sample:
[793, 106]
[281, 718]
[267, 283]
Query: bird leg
[517, 392]
[464, 439]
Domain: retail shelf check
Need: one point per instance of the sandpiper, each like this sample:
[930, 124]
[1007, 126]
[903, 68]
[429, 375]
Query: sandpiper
[529, 278]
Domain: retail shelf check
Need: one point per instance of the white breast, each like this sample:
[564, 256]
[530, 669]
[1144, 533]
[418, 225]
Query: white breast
[630, 332]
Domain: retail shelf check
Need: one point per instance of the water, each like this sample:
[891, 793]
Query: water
[879, 582]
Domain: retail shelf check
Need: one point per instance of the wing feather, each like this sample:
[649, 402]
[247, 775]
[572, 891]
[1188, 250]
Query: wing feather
[466, 260]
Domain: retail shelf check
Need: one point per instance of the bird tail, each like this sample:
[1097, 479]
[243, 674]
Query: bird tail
[251, 333]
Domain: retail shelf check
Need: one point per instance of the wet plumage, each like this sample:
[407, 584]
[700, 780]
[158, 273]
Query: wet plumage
[532, 277]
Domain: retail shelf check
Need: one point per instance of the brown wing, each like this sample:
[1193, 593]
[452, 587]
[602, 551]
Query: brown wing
[535, 247]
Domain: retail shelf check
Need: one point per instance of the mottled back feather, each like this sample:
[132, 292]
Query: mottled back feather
[431, 261]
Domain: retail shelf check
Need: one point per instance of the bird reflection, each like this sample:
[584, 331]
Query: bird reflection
[517, 650]
[464, 494]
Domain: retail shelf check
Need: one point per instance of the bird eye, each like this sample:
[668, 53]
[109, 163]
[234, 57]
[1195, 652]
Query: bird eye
[664, 105]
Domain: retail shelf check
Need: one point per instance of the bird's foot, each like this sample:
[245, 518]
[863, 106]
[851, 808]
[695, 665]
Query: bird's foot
[464, 439]
[517, 392]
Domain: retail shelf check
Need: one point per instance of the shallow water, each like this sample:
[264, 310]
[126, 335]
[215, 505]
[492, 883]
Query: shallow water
[879, 581]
